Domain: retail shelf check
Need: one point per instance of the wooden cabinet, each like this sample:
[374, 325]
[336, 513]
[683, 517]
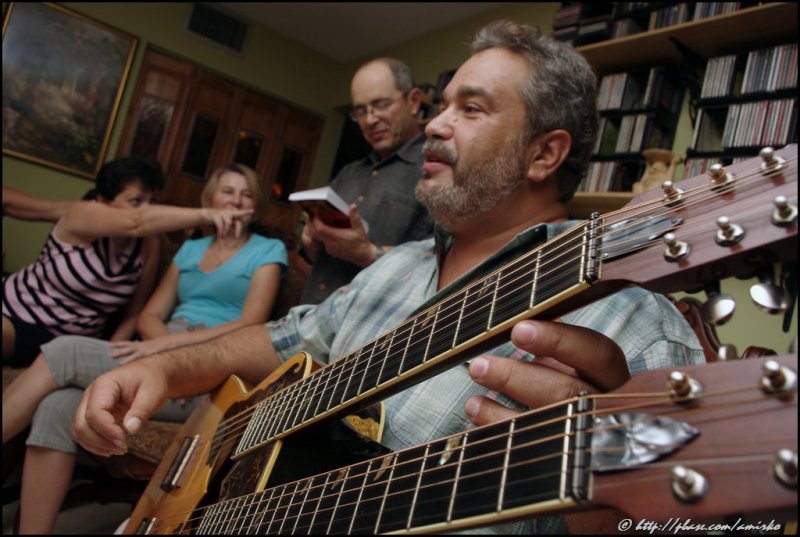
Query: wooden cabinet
[747, 28]
[193, 121]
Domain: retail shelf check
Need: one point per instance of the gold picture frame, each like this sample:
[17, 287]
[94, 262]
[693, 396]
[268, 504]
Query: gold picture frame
[63, 77]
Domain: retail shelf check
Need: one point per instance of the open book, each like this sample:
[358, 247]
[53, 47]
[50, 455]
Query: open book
[323, 203]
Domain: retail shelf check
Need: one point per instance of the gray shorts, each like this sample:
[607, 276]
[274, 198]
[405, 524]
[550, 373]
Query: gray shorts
[75, 362]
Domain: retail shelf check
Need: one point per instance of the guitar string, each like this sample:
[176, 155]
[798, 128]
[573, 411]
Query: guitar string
[385, 469]
[661, 399]
[738, 182]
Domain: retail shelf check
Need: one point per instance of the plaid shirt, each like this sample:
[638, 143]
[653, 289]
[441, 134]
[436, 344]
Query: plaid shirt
[648, 328]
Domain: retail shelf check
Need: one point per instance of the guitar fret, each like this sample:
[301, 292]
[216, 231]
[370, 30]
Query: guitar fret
[458, 322]
[265, 510]
[207, 520]
[416, 488]
[441, 340]
[236, 515]
[366, 368]
[314, 394]
[316, 509]
[385, 492]
[387, 358]
[418, 346]
[494, 299]
[502, 487]
[340, 384]
[300, 399]
[251, 504]
[338, 499]
[317, 378]
[477, 310]
[282, 405]
[250, 430]
[358, 499]
[274, 415]
[353, 384]
[279, 512]
[535, 279]
[289, 506]
[455, 481]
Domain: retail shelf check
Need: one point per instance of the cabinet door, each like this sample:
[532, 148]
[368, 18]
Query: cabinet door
[157, 108]
[192, 122]
[204, 141]
[291, 166]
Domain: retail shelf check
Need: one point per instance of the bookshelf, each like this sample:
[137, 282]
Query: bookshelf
[747, 101]
[731, 33]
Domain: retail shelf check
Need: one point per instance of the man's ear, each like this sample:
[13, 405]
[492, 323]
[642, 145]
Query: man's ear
[546, 152]
[415, 100]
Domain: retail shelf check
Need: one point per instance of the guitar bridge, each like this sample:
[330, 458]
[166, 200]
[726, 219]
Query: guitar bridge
[176, 474]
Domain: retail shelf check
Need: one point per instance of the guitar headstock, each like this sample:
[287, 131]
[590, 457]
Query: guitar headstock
[744, 459]
[728, 222]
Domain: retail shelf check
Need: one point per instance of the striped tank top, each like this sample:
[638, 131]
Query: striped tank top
[74, 289]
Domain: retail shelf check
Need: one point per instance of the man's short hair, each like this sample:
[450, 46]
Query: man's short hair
[559, 94]
[403, 80]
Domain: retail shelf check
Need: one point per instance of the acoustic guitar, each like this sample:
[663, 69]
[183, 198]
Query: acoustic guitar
[674, 448]
[727, 223]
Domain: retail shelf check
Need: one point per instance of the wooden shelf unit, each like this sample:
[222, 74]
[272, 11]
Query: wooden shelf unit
[751, 27]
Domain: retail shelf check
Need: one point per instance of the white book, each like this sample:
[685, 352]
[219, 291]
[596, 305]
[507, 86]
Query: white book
[324, 203]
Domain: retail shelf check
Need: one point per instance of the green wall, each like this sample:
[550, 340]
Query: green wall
[289, 71]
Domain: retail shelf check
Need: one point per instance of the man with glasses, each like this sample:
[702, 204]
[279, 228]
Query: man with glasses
[380, 187]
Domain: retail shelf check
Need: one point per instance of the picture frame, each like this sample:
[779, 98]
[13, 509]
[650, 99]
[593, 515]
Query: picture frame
[63, 78]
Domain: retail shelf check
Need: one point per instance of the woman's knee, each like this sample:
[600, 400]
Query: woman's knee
[77, 360]
[51, 426]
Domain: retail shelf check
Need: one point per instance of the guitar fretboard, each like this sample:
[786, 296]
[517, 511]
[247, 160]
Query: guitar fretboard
[488, 474]
[430, 340]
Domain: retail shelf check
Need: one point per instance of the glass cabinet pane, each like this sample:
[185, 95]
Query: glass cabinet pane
[201, 143]
[288, 173]
[248, 149]
[154, 119]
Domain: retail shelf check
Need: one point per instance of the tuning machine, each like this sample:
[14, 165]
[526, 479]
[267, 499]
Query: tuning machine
[718, 307]
[768, 296]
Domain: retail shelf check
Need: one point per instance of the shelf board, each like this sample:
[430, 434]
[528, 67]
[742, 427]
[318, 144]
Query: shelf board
[750, 27]
[584, 204]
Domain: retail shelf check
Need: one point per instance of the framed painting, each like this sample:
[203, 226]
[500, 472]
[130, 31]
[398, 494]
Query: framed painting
[63, 76]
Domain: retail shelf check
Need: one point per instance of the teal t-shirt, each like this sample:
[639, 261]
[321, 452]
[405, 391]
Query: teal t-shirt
[216, 297]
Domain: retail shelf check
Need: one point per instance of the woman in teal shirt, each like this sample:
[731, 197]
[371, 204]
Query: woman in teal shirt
[214, 284]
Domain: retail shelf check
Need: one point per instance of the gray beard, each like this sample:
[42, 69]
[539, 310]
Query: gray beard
[474, 191]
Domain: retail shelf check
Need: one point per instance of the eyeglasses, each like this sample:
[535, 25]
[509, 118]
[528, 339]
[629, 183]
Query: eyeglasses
[378, 105]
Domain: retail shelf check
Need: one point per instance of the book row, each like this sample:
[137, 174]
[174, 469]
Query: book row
[766, 122]
[770, 69]
[635, 90]
[602, 177]
[759, 123]
[698, 166]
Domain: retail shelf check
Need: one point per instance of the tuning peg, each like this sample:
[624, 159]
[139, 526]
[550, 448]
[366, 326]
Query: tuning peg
[772, 162]
[728, 233]
[768, 296]
[718, 308]
[727, 352]
[719, 175]
[785, 213]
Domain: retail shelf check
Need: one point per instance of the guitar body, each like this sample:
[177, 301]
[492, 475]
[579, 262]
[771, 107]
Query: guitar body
[209, 466]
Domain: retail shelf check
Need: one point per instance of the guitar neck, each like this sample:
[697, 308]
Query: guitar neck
[555, 459]
[573, 269]
[427, 343]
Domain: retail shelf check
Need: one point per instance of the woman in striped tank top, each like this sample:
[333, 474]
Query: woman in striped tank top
[214, 284]
[100, 260]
